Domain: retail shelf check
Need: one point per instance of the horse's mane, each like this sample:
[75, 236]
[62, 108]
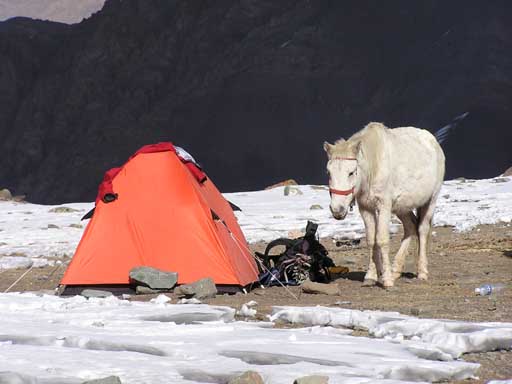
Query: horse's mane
[371, 141]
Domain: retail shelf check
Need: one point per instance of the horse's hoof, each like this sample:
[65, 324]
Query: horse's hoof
[369, 283]
[387, 284]
[422, 276]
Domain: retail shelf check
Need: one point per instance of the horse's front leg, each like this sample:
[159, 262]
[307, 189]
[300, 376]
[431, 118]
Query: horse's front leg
[369, 223]
[381, 248]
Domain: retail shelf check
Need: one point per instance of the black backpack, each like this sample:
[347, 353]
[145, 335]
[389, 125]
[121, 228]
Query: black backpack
[303, 258]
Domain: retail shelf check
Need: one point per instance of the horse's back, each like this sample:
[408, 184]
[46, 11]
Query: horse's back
[417, 164]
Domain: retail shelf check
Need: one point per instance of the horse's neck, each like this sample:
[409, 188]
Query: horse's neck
[366, 191]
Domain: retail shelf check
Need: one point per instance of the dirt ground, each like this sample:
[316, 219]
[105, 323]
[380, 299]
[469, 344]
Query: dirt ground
[458, 262]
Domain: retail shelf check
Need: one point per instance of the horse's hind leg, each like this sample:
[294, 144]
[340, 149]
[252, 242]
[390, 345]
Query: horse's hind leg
[425, 215]
[409, 222]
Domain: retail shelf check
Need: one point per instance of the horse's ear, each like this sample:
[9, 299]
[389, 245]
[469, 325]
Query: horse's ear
[328, 148]
[339, 141]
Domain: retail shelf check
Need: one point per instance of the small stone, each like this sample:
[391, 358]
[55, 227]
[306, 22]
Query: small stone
[260, 292]
[415, 311]
[76, 225]
[62, 210]
[153, 278]
[5, 194]
[290, 191]
[189, 301]
[143, 290]
[19, 198]
[315, 207]
[313, 379]
[95, 293]
[282, 184]
[50, 226]
[105, 380]
[249, 377]
[201, 289]
[320, 288]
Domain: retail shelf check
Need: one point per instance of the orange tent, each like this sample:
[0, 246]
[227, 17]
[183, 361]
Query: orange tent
[160, 210]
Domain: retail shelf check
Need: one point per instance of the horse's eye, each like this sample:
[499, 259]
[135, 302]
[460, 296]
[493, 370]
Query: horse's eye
[351, 173]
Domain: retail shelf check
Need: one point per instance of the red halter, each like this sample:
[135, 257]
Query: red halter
[341, 192]
[338, 191]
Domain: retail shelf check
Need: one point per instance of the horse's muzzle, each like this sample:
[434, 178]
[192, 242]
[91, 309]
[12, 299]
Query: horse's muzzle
[339, 214]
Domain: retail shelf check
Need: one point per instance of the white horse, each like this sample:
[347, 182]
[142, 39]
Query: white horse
[387, 171]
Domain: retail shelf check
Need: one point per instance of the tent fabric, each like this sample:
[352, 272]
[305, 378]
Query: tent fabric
[162, 218]
[106, 186]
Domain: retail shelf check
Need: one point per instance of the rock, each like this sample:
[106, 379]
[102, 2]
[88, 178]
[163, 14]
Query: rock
[143, 290]
[313, 379]
[189, 301]
[316, 206]
[19, 198]
[291, 191]
[95, 293]
[501, 180]
[318, 288]
[5, 194]
[415, 311]
[508, 172]
[201, 289]
[153, 278]
[282, 184]
[50, 226]
[249, 377]
[260, 292]
[105, 380]
[76, 225]
[62, 210]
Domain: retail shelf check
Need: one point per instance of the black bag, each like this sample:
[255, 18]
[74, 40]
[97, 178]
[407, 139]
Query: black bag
[303, 258]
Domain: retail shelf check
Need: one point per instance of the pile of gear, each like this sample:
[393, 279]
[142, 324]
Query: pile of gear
[302, 259]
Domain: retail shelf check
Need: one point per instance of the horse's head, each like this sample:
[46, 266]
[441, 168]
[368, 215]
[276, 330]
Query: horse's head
[342, 167]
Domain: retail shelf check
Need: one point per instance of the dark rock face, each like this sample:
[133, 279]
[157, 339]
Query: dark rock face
[251, 88]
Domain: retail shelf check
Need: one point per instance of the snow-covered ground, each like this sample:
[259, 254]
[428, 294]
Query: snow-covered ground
[63, 11]
[69, 340]
[47, 339]
[31, 233]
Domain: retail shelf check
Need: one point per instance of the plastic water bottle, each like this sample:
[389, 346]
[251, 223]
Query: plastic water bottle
[488, 289]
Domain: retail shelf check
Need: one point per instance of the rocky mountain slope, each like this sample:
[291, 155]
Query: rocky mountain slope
[62, 11]
[250, 87]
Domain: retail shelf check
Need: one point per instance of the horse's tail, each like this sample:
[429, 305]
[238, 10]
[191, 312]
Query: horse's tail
[442, 133]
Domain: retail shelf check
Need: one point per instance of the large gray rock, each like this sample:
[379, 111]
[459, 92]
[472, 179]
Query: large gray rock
[248, 377]
[313, 379]
[153, 278]
[143, 290]
[201, 289]
[5, 194]
[319, 288]
[105, 380]
[95, 293]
